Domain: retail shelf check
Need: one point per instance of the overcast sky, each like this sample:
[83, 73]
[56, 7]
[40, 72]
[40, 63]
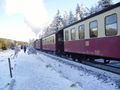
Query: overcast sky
[18, 16]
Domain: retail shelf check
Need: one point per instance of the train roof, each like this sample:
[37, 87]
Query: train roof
[53, 33]
[95, 14]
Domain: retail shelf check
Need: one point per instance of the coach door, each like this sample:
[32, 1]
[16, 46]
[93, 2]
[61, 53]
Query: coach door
[60, 42]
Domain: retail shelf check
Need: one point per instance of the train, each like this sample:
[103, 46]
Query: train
[96, 36]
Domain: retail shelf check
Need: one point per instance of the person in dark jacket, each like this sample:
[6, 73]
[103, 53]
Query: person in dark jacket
[21, 46]
[24, 49]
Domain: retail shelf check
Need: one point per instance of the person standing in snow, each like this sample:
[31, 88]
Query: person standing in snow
[21, 46]
[24, 49]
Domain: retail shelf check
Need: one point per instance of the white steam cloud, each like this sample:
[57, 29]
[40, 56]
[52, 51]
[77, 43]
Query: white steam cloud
[33, 10]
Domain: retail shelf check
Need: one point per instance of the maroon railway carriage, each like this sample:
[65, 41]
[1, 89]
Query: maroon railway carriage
[108, 48]
[53, 42]
[38, 44]
[35, 44]
[97, 36]
[48, 43]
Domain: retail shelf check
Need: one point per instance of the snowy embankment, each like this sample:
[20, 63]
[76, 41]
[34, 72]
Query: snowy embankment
[4, 68]
[39, 72]
[84, 77]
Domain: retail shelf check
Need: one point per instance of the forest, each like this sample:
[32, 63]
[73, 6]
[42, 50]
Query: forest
[8, 43]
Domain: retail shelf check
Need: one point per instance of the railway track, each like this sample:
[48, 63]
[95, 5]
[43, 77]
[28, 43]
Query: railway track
[105, 67]
[108, 68]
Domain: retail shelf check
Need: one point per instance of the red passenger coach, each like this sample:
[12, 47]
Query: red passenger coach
[108, 47]
[96, 36]
[50, 47]
[53, 42]
[49, 43]
[38, 44]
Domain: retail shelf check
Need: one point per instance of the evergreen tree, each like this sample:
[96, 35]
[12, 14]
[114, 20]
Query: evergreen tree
[71, 18]
[81, 12]
[78, 16]
[104, 3]
[57, 22]
[46, 30]
[94, 9]
[66, 19]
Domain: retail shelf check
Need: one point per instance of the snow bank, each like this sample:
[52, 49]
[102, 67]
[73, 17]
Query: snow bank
[82, 77]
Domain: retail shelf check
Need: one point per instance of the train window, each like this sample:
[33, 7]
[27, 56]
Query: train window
[50, 40]
[93, 29]
[44, 41]
[53, 39]
[66, 35]
[111, 25]
[73, 34]
[81, 32]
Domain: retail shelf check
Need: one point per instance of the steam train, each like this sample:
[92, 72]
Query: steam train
[96, 36]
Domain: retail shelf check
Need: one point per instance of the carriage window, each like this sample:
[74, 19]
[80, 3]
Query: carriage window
[53, 39]
[93, 29]
[73, 32]
[50, 40]
[44, 41]
[111, 25]
[66, 35]
[81, 31]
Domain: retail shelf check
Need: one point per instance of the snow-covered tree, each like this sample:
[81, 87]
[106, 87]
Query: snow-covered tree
[66, 18]
[104, 3]
[81, 12]
[71, 18]
[94, 9]
[78, 16]
[46, 31]
[57, 22]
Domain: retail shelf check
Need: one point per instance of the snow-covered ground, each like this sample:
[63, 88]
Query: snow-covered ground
[4, 68]
[39, 72]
